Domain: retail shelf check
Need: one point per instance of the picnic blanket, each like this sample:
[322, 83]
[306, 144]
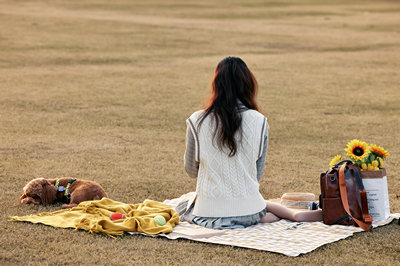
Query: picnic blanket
[94, 216]
[285, 237]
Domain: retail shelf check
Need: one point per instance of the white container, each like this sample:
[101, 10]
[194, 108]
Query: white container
[375, 184]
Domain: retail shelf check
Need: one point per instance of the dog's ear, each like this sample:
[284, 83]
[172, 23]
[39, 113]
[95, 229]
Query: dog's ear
[48, 194]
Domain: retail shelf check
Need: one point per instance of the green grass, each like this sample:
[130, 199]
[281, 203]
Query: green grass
[101, 89]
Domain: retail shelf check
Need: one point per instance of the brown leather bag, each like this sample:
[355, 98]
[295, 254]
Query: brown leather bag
[343, 198]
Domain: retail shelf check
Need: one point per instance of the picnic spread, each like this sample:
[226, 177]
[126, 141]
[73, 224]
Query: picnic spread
[354, 198]
[287, 237]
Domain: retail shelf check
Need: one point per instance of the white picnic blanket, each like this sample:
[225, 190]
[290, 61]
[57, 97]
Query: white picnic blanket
[285, 237]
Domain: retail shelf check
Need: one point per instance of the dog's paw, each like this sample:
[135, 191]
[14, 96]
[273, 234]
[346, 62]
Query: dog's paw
[67, 206]
[30, 201]
[27, 200]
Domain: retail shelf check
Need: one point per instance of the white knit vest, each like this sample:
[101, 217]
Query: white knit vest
[228, 186]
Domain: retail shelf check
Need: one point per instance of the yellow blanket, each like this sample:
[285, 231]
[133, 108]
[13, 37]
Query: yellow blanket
[94, 216]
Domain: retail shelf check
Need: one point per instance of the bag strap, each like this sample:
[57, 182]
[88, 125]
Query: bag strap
[364, 201]
[366, 225]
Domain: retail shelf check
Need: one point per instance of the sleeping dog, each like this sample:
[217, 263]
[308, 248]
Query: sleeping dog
[67, 190]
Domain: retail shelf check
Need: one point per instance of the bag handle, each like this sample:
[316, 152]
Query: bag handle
[342, 161]
[366, 225]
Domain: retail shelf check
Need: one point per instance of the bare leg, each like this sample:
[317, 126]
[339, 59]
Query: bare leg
[298, 216]
[280, 210]
[269, 218]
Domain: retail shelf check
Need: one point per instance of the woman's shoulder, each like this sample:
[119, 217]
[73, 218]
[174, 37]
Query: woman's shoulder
[255, 114]
[195, 116]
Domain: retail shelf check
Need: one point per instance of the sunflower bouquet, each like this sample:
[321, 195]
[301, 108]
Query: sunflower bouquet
[368, 157]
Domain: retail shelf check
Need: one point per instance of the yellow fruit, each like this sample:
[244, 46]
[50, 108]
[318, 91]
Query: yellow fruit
[370, 167]
[364, 166]
[375, 163]
[376, 168]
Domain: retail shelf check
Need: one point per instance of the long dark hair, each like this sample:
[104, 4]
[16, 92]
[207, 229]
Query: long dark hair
[233, 81]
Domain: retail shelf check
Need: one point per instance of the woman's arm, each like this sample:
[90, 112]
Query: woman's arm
[191, 166]
[261, 161]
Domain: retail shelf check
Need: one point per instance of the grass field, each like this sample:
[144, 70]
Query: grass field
[101, 89]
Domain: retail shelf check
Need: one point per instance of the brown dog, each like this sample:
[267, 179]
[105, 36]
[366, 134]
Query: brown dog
[68, 190]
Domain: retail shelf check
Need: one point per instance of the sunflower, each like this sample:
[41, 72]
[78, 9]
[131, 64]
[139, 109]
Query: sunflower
[378, 151]
[335, 160]
[357, 150]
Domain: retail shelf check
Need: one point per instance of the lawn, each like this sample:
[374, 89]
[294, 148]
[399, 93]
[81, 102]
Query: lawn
[101, 89]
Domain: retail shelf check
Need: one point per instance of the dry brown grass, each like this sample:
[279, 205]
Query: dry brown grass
[101, 90]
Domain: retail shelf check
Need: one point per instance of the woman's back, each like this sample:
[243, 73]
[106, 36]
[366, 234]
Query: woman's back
[228, 185]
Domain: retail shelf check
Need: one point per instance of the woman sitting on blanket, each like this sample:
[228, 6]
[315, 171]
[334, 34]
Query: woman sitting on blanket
[226, 147]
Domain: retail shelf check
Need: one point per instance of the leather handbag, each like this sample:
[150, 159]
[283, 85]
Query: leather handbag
[343, 198]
